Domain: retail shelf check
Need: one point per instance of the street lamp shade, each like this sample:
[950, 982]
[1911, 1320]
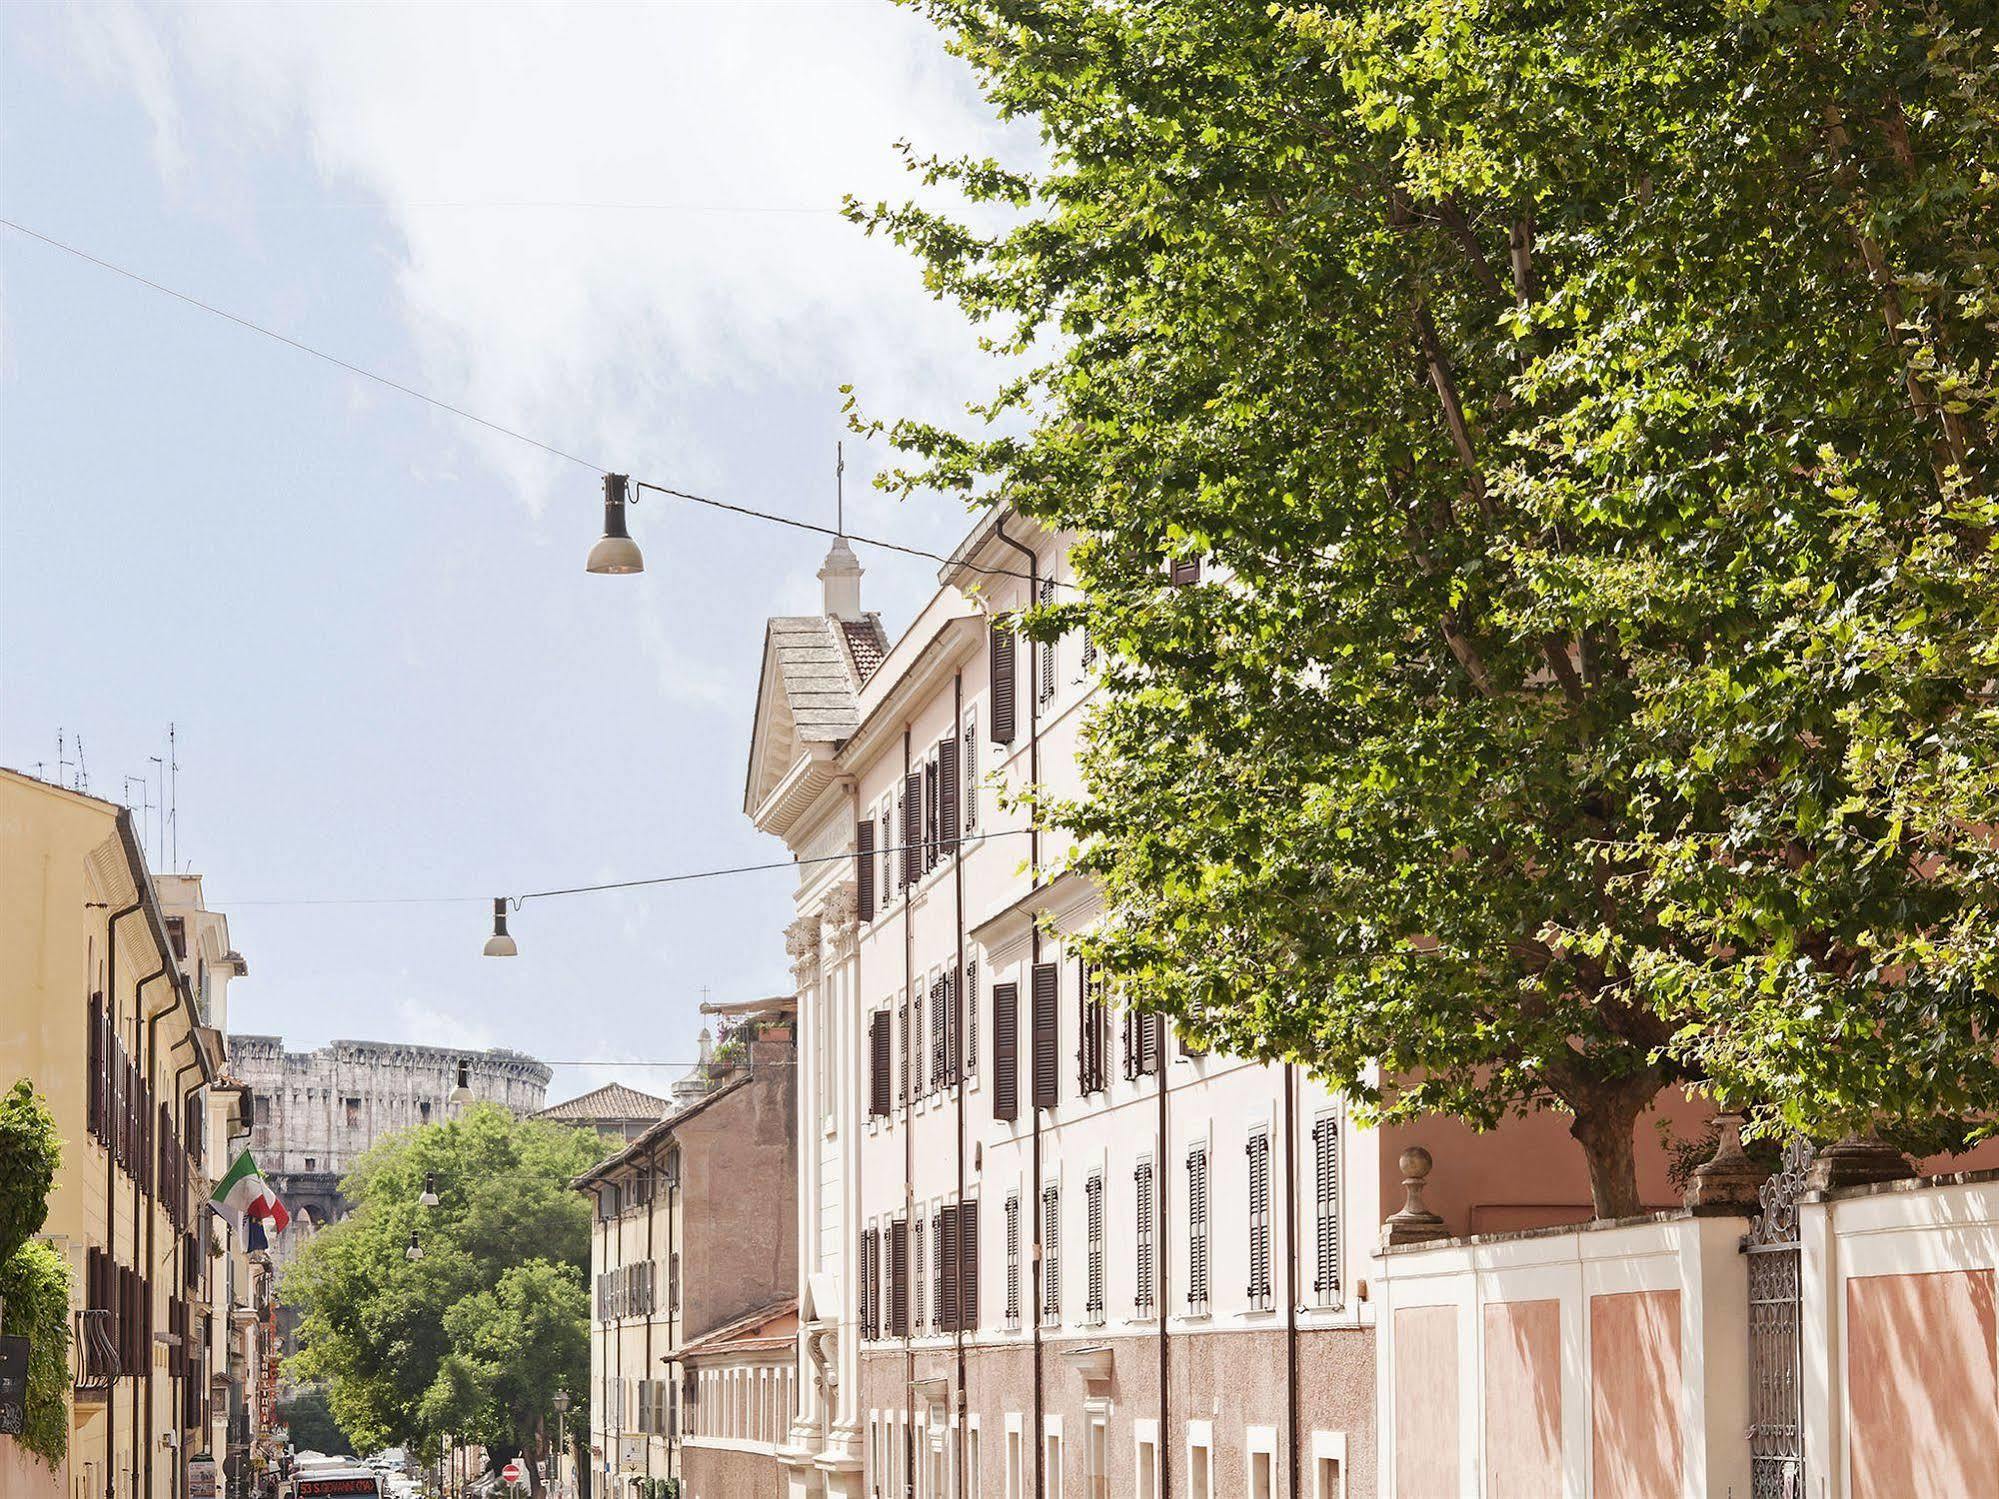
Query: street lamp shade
[462, 1094]
[500, 944]
[415, 1250]
[428, 1197]
[561, 1401]
[615, 551]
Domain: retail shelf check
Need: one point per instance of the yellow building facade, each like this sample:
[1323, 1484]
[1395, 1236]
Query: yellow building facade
[96, 1011]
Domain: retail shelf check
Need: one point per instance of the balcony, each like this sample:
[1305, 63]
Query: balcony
[94, 1361]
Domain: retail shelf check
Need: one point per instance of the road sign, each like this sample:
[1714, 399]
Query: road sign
[513, 1472]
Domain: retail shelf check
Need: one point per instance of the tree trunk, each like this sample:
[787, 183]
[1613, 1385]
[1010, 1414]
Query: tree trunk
[1606, 1126]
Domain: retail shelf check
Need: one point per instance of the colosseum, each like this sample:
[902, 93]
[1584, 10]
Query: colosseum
[317, 1111]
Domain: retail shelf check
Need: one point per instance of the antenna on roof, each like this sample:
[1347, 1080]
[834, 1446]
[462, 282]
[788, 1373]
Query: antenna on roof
[160, 838]
[82, 770]
[173, 796]
[840, 487]
[62, 756]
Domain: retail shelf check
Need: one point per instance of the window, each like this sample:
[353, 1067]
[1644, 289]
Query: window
[1046, 665]
[1093, 1197]
[1326, 1208]
[870, 1282]
[423, 1110]
[1096, 1459]
[353, 1111]
[912, 827]
[1013, 1473]
[940, 1033]
[1053, 1484]
[1006, 1051]
[1013, 1261]
[970, 1008]
[1185, 571]
[1141, 1043]
[971, 770]
[1046, 1024]
[1142, 1212]
[312, 1163]
[898, 1279]
[864, 868]
[1001, 649]
[944, 1234]
[1092, 1030]
[1051, 1253]
[902, 1093]
[1145, 1440]
[886, 810]
[880, 1099]
[916, 1254]
[933, 821]
[1258, 1151]
[1200, 1456]
[177, 936]
[1197, 1229]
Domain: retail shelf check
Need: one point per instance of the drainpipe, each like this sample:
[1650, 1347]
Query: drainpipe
[1034, 960]
[1162, 1269]
[961, 1000]
[111, 1169]
[180, 1280]
[910, 1060]
[672, 1323]
[652, 1189]
[1291, 1266]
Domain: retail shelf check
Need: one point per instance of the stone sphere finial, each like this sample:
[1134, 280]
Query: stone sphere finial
[1414, 1223]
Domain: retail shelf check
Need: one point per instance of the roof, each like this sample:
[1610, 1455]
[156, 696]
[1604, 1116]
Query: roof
[612, 1101]
[818, 671]
[745, 1334]
[867, 644]
[656, 1132]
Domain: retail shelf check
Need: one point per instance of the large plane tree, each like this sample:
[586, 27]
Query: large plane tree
[1580, 415]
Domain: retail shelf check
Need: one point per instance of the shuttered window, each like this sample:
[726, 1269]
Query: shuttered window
[880, 1084]
[1184, 571]
[954, 1028]
[1093, 1199]
[968, 1265]
[898, 1279]
[912, 827]
[95, 1107]
[1013, 1261]
[950, 799]
[1141, 1043]
[864, 868]
[1051, 1253]
[1003, 674]
[1092, 1030]
[919, 1263]
[1197, 1229]
[886, 888]
[1046, 665]
[1142, 1216]
[902, 1093]
[1326, 1208]
[870, 1283]
[1046, 1022]
[1258, 1290]
[1006, 1051]
[969, 1004]
[945, 1226]
[933, 816]
[940, 1033]
[969, 770]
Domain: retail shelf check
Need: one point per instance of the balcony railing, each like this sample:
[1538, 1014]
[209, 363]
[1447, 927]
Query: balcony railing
[94, 1354]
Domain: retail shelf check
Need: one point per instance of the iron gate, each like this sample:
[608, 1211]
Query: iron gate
[1776, 1385]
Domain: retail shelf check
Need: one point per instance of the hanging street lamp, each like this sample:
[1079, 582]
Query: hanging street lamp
[615, 552]
[500, 944]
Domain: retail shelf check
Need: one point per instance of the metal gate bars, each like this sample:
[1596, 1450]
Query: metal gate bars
[1776, 1385]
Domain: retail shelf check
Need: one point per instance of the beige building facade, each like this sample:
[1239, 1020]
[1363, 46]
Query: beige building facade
[97, 1011]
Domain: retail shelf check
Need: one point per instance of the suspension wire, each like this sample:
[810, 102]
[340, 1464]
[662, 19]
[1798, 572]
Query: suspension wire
[767, 516]
[662, 879]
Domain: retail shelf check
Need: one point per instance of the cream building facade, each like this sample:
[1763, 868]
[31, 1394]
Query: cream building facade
[1046, 1249]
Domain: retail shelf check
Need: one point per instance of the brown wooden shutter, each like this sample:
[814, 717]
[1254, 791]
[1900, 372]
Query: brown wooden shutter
[912, 827]
[949, 798]
[1006, 1051]
[954, 1025]
[1186, 570]
[1046, 1023]
[864, 868]
[870, 1296]
[898, 1279]
[968, 1265]
[880, 1059]
[95, 1108]
[1003, 674]
[933, 829]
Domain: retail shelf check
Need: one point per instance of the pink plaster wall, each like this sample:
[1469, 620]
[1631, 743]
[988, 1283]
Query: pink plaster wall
[1529, 1172]
[1922, 1385]
[1636, 1439]
[1523, 1399]
[1426, 1402]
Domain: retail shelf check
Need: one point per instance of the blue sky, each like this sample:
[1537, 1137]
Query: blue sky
[605, 226]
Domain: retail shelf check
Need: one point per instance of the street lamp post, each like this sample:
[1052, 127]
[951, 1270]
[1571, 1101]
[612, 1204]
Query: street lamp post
[561, 1404]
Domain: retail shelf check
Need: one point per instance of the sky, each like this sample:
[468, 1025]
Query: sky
[394, 690]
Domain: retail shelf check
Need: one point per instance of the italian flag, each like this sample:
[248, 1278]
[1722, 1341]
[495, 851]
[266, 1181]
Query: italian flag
[247, 1198]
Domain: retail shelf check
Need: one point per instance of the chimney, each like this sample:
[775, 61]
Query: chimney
[840, 579]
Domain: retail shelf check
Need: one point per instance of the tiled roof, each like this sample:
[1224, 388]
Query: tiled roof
[867, 643]
[612, 1101]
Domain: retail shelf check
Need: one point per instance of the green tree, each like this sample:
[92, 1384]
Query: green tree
[1584, 413]
[34, 1279]
[309, 1418]
[406, 1346]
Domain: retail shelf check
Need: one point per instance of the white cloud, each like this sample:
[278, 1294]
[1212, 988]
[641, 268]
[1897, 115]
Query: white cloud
[426, 1024]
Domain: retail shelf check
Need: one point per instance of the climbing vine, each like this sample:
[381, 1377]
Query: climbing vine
[34, 1280]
